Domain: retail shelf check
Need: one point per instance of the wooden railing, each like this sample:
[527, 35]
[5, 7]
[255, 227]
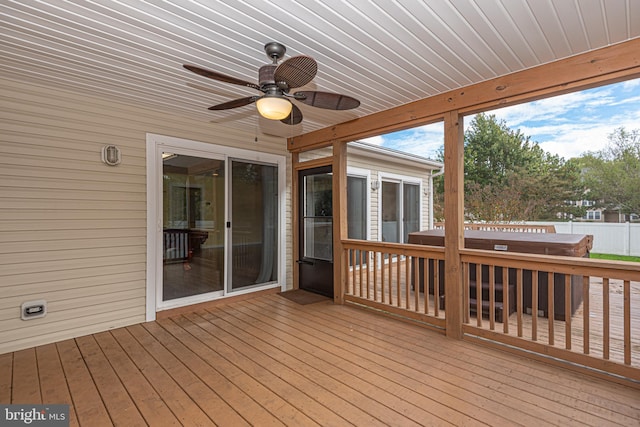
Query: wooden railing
[384, 276]
[526, 228]
[580, 310]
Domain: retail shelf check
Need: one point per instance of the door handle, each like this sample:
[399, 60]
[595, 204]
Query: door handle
[304, 261]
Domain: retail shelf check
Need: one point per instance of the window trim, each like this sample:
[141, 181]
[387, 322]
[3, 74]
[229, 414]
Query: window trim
[399, 179]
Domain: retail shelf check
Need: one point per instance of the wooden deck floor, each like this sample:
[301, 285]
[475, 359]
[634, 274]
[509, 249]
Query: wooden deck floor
[269, 361]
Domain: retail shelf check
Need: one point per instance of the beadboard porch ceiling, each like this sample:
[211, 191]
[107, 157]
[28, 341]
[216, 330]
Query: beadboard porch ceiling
[385, 53]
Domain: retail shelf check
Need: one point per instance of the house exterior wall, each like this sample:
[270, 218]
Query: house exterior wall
[72, 229]
[389, 166]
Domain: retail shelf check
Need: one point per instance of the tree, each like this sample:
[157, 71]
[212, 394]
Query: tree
[613, 173]
[509, 178]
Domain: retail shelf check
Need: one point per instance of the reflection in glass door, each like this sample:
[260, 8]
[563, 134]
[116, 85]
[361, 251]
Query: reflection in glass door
[193, 191]
[254, 224]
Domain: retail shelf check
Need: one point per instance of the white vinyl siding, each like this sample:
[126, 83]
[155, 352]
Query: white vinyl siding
[72, 229]
[415, 173]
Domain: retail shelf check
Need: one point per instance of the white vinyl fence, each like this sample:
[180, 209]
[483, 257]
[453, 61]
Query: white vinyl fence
[608, 238]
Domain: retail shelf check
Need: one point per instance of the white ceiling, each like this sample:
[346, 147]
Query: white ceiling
[384, 52]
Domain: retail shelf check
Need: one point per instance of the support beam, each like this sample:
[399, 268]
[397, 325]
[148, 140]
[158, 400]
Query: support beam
[340, 231]
[613, 63]
[295, 219]
[454, 221]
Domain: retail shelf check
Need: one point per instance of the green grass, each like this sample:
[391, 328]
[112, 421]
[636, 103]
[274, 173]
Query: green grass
[615, 257]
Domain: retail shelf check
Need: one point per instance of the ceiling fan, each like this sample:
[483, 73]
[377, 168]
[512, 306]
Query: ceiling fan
[275, 82]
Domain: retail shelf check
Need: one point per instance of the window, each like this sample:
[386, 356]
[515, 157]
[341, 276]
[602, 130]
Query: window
[357, 207]
[592, 215]
[400, 207]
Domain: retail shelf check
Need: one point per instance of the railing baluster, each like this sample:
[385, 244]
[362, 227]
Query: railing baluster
[365, 261]
[353, 270]
[465, 292]
[407, 282]
[506, 304]
[551, 315]
[360, 274]
[436, 287]
[585, 315]
[519, 300]
[492, 297]
[345, 259]
[416, 281]
[398, 284]
[534, 305]
[627, 322]
[425, 283]
[374, 255]
[605, 319]
[479, 295]
[382, 287]
[392, 289]
[390, 263]
[567, 310]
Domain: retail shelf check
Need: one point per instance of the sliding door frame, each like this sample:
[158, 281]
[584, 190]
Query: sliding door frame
[156, 144]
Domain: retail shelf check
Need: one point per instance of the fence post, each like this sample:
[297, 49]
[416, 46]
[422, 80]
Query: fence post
[627, 238]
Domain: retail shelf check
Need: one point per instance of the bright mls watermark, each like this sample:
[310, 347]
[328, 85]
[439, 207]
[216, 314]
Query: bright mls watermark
[34, 415]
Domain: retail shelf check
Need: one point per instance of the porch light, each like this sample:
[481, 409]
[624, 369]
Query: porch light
[274, 107]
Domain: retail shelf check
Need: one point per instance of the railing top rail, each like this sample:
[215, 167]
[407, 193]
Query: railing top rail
[559, 264]
[537, 228]
[395, 248]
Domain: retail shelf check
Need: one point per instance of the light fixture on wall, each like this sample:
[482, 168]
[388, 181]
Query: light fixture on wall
[375, 185]
[111, 155]
[274, 107]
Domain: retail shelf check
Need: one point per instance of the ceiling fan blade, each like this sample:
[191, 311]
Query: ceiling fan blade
[235, 103]
[330, 101]
[221, 77]
[296, 71]
[294, 117]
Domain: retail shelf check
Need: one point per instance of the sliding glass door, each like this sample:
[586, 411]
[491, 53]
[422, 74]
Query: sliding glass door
[193, 225]
[254, 224]
[220, 226]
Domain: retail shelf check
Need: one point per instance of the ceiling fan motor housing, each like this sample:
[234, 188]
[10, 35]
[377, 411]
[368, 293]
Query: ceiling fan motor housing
[265, 75]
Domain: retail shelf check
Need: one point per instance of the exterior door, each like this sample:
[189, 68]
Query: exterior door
[193, 218]
[315, 258]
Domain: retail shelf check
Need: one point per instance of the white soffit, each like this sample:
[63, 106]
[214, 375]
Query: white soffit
[384, 53]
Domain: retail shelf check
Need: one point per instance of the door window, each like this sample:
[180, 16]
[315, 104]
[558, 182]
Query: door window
[193, 226]
[400, 210]
[318, 217]
[254, 224]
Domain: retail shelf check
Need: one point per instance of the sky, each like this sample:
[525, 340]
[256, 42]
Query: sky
[567, 125]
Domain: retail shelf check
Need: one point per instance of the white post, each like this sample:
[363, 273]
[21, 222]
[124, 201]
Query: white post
[627, 238]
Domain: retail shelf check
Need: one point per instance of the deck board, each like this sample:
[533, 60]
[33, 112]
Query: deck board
[150, 404]
[270, 361]
[459, 385]
[53, 383]
[580, 394]
[26, 386]
[87, 403]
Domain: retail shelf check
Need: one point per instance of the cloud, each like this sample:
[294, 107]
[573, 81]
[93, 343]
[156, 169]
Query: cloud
[568, 125]
[374, 140]
[424, 141]
[572, 124]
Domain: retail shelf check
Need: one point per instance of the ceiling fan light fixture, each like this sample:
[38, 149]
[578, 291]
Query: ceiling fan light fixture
[274, 107]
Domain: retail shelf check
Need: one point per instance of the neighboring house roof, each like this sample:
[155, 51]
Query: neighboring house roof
[384, 153]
